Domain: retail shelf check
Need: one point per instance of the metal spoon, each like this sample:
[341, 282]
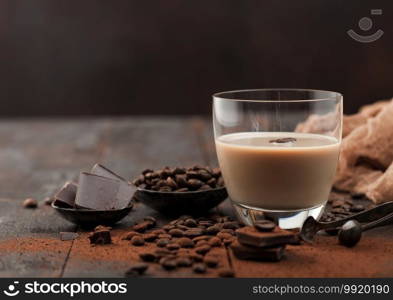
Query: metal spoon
[312, 226]
[351, 231]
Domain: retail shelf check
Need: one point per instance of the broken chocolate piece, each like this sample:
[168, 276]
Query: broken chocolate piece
[100, 237]
[251, 236]
[66, 196]
[256, 253]
[68, 236]
[102, 193]
[102, 171]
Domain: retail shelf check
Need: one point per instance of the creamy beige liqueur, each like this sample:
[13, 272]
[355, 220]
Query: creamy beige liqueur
[278, 170]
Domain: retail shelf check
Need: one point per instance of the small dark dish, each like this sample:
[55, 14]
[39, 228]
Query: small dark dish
[92, 218]
[177, 203]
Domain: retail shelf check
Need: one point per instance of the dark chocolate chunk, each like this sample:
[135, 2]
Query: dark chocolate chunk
[100, 237]
[256, 253]
[251, 236]
[102, 193]
[66, 196]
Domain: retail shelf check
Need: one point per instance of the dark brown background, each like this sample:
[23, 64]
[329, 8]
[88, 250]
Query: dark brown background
[168, 57]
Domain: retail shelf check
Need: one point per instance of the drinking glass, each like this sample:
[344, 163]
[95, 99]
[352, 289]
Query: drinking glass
[278, 151]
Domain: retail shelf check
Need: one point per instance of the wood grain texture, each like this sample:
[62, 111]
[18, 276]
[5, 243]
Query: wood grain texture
[37, 156]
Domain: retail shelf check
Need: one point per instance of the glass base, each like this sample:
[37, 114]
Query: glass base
[285, 219]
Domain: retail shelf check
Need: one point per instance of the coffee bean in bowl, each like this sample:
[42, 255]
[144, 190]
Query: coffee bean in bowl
[178, 190]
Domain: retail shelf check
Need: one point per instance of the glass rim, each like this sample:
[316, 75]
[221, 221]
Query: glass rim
[333, 96]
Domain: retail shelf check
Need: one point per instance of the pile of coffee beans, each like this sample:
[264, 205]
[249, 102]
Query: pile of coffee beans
[185, 242]
[342, 208]
[180, 179]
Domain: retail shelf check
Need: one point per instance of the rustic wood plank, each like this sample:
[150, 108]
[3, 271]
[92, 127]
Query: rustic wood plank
[132, 145]
[36, 158]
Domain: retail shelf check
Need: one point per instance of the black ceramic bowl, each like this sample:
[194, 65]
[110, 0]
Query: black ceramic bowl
[177, 203]
[92, 218]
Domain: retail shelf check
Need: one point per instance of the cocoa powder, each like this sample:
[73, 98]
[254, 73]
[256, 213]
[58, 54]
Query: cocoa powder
[372, 257]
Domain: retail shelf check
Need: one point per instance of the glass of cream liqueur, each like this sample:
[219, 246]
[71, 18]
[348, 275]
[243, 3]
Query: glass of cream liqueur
[278, 151]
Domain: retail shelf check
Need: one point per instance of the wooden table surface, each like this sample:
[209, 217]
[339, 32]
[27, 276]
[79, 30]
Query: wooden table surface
[37, 156]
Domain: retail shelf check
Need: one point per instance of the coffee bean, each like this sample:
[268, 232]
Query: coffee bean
[181, 180]
[178, 170]
[226, 273]
[202, 249]
[143, 226]
[160, 253]
[30, 203]
[224, 235]
[182, 190]
[150, 237]
[48, 200]
[137, 269]
[210, 261]
[230, 231]
[172, 246]
[185, 242]
[201, 243]
[338, 203]
[169, 227]
[190, 223]
[230, 225]
[192, 175]
[150, 219]
[357, 208]
[227, 242]
[147, 171]
[214, 242]
[165, 189]
[158, 231]
[162, 243]
[216, 172]
[171, 183]
[202, 237]
[137, 240]
[194, 232]
[148, 256]
[199, 268]
[168, 263]
[212, 230]
[129, 235]
[204, 175]
[164, 236]
[220, 182]
[176, 232]
[183, 261]
[212, 182]
[196, 257]
[182, 227]
[194, 184]
[264, 225]
[205, 223]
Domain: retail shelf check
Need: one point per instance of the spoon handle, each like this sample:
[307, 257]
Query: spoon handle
[363, 217]
[380, 222]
